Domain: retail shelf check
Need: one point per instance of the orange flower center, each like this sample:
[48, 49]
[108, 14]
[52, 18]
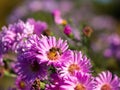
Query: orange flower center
[80, 87]
[64, 22]
[53, 53]
[22, 84]
[106, 87]
[73, 67]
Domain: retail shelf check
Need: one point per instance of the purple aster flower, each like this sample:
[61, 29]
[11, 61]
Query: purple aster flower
[103, 23]
[27, 44]
[39, 26]
[11, 36]
[97, 44]
[106, 81]
[52, 50]
[21, 84]
[107, 53]
[113, 49]
[58, 18]
[47, 48]
[80, 82]
[29, 67]
[7, 38]
[77, 63]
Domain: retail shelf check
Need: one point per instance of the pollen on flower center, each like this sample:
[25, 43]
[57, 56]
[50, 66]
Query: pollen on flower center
[22, 84]
[80, 87]
[73, 67]
[53, 53]
[106, 87]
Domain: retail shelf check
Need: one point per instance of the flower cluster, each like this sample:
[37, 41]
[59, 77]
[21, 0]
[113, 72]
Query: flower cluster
[13, 34]
[50, 59]
[47, 62]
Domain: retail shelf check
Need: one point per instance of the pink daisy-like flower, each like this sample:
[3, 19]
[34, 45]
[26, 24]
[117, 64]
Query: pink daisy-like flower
[53, 51]
[78, 63]
[106, 81]
[29, 67]
[21, 84]
[80, 82]
[58, 18]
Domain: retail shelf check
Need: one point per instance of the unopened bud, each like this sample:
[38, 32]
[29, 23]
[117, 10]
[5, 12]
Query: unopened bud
[87, 31]
[68, 31]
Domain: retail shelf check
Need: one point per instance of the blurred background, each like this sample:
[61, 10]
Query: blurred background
[103, 16]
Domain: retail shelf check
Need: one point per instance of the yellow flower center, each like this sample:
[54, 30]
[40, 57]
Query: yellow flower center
[22, 84]
[53, 53]
[106, 87]
[64, 22]
[73, 67]
[80, 87]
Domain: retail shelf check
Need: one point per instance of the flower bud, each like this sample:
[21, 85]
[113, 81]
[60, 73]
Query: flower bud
[87, 31]
[68, 31]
